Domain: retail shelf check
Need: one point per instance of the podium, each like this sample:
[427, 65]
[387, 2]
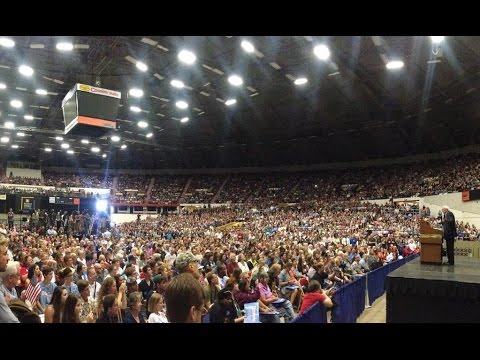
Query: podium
[431, 244]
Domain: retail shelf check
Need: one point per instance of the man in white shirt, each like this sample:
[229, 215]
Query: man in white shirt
[93, 284]
[6, 315]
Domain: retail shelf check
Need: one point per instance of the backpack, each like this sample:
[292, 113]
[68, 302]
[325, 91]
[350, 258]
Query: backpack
[23, 313]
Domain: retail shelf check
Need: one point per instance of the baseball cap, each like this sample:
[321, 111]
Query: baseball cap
[131, 280]
[224, 294]
[158, 279]
[184, 259]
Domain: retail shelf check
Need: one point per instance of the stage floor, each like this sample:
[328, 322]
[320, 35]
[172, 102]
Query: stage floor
[465, 270]
[434, 293]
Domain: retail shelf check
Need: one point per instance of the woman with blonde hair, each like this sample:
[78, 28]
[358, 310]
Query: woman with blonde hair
[155, 308]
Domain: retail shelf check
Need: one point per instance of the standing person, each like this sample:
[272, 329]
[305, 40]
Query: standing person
[449, 232]
[10, 217]
[6, 315]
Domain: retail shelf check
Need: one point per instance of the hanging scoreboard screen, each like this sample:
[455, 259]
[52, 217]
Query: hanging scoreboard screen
[90, 110]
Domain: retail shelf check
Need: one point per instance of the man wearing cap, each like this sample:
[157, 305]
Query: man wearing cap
[132, 285]
[223, 310]
[186, 262]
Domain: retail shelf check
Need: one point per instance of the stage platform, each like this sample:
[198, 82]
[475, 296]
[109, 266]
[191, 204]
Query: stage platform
[423, 293]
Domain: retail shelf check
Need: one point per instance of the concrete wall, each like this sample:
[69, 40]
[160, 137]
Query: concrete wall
[464, 211]
[386, 201]
[468, 211]
[121, 218]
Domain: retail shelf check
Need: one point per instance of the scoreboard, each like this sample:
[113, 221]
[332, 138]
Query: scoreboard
[62, 200]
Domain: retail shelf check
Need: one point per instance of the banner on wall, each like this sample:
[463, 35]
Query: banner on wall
[28, 203]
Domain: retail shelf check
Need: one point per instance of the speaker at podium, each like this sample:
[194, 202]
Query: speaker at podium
[90, 111]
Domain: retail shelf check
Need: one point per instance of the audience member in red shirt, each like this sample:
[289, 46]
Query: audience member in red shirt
[315, 294]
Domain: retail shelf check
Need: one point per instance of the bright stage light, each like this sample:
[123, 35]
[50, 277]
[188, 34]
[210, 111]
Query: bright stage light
[101, 205]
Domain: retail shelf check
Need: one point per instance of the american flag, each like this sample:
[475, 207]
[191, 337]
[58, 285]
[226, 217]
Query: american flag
[32, 293]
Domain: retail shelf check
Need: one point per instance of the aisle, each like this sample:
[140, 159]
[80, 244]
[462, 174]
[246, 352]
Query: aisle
[377, 313]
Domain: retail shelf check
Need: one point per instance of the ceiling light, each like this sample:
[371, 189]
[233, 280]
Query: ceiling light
[69, 151]
[48, 149]
[28, 117]
[2, 86]
[395, 64]
[123, 146]
[230, 102]
[235, 80]
[59, 138]
[95, 149]
[16, 103]
[141, 66]
[136, 93]
[9, 125]
[20, 134]
[300, 81]
[177, 83]
[85, 141]
[437, 39]
[6, 42]
[135, 108]
[115, 138]
[181, 104]
[184, 119]
[149, 135]
[247, 46]
[321, 51]
[65, 46]
[14, 146]
[4, 139]
[41, 92]
[142, 124]
[187, 57]
[65, 146]
[25, 70]
[104, 156]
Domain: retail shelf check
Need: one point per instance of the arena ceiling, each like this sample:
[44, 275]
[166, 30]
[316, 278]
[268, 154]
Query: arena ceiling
[351, 108]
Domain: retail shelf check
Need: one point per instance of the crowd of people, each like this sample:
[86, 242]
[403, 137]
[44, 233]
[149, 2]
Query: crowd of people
[167, 189]
[406, 180]
[273, 256]
[283, 242]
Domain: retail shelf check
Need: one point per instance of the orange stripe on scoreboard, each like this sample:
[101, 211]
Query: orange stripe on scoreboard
[85, 120]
